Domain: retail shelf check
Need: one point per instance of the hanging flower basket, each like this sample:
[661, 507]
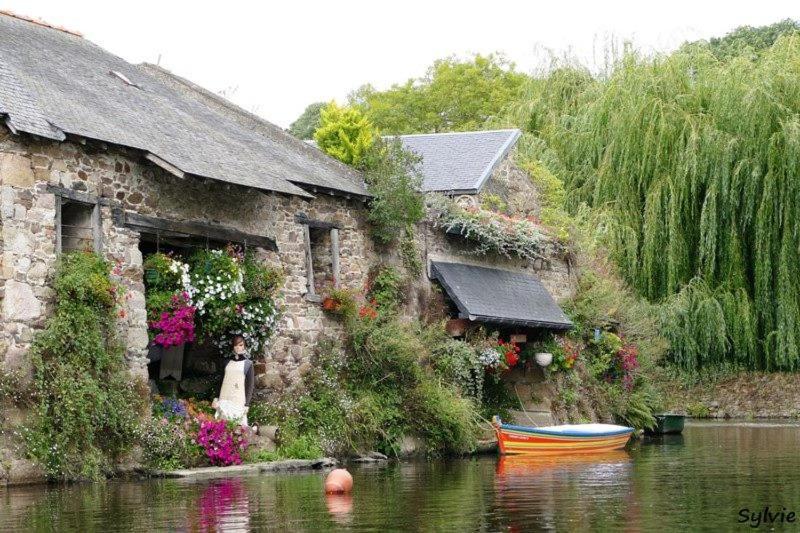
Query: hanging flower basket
[456, 327]
[151, 276]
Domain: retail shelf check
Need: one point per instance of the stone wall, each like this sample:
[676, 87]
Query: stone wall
[514, 187]
[120, 178]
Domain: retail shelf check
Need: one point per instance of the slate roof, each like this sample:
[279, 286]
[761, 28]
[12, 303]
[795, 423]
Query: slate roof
[459, 162]
[499, 296]
[54, 83]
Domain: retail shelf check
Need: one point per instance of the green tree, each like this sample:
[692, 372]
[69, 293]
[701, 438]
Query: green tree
[689, 166]
[344, 133]
[308, 122]
[748, 40]
[454, 95]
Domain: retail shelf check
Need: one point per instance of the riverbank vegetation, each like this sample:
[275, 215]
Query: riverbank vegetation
[375, 389]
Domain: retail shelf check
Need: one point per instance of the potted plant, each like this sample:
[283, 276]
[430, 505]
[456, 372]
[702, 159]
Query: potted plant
[173, 330]
[339, 301]
[329, 303]
[456, 327]
[543, 359]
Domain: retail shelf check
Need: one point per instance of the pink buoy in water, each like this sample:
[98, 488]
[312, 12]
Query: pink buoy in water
[339, 481]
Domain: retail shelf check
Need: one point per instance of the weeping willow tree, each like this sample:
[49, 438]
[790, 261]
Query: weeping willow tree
[696, 161]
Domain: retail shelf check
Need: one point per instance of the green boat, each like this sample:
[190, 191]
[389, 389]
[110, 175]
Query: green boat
[666, 424]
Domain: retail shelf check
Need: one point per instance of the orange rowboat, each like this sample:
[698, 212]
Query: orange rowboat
[568, 438]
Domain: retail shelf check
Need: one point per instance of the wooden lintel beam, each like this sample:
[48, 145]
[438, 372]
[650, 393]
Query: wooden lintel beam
[169, 167]
[311, 223]
[77, 196]
[206, 230]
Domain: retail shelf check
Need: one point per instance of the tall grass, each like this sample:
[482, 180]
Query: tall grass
[696, 163]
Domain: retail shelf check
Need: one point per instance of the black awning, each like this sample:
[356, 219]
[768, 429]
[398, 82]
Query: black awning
[499, 296]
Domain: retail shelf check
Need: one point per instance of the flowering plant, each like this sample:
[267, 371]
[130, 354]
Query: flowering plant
[509, 352]
[175, 327]
[369, 310]
[565, 353]
[234, 296]
[172, 407]
[626, 363]
[489, 358]
[223, 443]
[494, 232]
[217, 294]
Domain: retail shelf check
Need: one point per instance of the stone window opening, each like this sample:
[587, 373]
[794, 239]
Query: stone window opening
[77, 225]
[322, 257]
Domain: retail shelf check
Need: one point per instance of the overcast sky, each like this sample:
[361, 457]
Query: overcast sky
[274, 58]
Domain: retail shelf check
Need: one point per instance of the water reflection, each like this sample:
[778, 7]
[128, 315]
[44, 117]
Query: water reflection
[549, 478]
[669, 483]
[340, 506]
[223, 506]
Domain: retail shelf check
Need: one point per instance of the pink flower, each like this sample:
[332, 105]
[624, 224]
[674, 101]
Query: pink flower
[175, 327]
[222, 446]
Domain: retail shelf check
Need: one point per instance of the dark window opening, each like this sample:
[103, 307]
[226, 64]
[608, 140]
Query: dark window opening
[78, 226]
[321, 258]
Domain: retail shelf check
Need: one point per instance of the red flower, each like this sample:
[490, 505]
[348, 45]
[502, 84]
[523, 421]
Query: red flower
[510, 352]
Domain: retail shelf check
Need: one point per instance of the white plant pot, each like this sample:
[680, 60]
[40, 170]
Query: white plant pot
[543, 358]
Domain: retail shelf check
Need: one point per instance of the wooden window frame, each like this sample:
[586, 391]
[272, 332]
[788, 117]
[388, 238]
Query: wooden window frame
[86, 200]
[308, 224]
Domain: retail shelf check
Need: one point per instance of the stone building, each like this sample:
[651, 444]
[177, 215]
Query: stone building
[126, 159]
[477, 168]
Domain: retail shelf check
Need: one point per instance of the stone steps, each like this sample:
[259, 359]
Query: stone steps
[531, 418]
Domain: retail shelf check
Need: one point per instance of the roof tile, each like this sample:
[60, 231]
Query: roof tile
[61, 81]
[459, 162]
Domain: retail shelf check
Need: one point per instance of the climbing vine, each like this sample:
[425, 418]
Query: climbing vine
[87, 403]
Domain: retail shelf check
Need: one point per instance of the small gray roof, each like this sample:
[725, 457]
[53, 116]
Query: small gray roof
[54, 83]
[459, 162]
[499, 296]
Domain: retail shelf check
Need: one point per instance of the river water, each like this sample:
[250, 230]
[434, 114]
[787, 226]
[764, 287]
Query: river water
[702, 479]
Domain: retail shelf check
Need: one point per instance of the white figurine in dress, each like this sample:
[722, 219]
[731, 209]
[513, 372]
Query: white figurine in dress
[237, 385]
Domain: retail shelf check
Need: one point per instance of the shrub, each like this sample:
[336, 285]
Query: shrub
[493, 202]
[698, 410]
[344, 133]
[458, 364]
[169, 444]
[88, 405]
[387, 288]
[633, 408]
[446, 421]
[394, 181]
[371, 393]
[303, 447]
